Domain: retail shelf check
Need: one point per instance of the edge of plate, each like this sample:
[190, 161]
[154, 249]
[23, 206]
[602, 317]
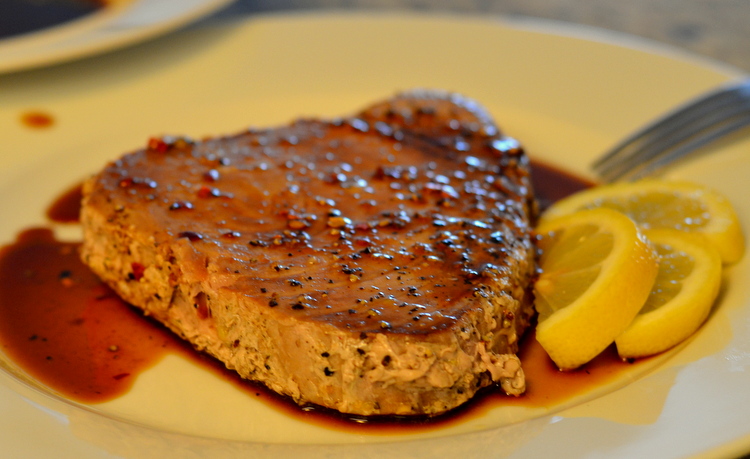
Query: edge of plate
[102, 31]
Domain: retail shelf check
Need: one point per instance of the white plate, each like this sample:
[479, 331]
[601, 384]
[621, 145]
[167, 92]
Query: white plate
[120, 23]
[566, 93]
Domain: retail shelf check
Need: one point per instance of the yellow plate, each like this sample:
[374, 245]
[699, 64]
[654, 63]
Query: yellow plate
[566, 93]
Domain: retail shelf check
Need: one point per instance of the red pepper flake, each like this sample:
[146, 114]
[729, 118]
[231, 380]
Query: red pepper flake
[211, 176]
[65, 274]
[158, 144]
[363, 226]
[138, 270]
[208, 192]
[120, 376]
[137, 181]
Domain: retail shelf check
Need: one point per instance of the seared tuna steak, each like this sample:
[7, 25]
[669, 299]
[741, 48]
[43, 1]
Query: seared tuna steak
[374, 264]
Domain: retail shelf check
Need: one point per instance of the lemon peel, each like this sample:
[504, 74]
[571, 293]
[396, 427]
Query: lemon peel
[685, 289]
[597, 270]
[654, 203]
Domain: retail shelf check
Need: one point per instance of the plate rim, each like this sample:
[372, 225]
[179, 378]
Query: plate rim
[576, 32]
[103, 30]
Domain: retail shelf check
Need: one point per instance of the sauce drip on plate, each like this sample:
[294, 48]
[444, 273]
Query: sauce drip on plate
[69, 331]
[37, 120]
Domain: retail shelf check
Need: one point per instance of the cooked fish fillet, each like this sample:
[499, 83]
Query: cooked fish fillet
[373, 264]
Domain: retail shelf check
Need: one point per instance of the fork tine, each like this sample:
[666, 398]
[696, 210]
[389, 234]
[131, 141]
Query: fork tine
[681, 115]
[692, 134]
[688, 124]
[679, 151]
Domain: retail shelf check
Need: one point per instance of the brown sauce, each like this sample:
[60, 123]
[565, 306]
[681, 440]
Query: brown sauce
[64, 327]
[552, 183]
[67, 207]
[72, 333]
[37, 120]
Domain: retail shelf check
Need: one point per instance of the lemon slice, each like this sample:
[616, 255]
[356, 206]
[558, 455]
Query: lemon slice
[685, 289]
[596, 272]
[666, 204]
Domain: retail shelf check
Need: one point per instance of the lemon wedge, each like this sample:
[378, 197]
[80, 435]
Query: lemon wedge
[596, 272]
[681, 298]
[654, 203]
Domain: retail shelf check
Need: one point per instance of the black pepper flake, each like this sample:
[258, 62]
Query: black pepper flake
[352, 311]
[272, 302]
[497, 237]
[346, 269]
[263, 290]
[298, 306]
[386, 360]
[180, 205]
[328, 371]
[65, 274]
[325, 354]
[295, 283]
[258, 243]
[157, 144]
[192, 236]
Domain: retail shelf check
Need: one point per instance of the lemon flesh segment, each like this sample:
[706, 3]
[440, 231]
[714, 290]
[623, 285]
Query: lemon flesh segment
[685, 289]
[655, 203]
[596, 272]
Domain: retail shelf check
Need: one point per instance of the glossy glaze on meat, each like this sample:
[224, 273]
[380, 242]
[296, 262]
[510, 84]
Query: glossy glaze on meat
[391, 248]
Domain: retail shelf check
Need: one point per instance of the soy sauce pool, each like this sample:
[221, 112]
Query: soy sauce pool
[69, 331]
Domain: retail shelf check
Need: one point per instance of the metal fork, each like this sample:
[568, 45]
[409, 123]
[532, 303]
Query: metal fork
[678, 133]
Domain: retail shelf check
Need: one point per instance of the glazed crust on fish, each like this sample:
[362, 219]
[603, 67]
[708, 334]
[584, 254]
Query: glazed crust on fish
[377, 264]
